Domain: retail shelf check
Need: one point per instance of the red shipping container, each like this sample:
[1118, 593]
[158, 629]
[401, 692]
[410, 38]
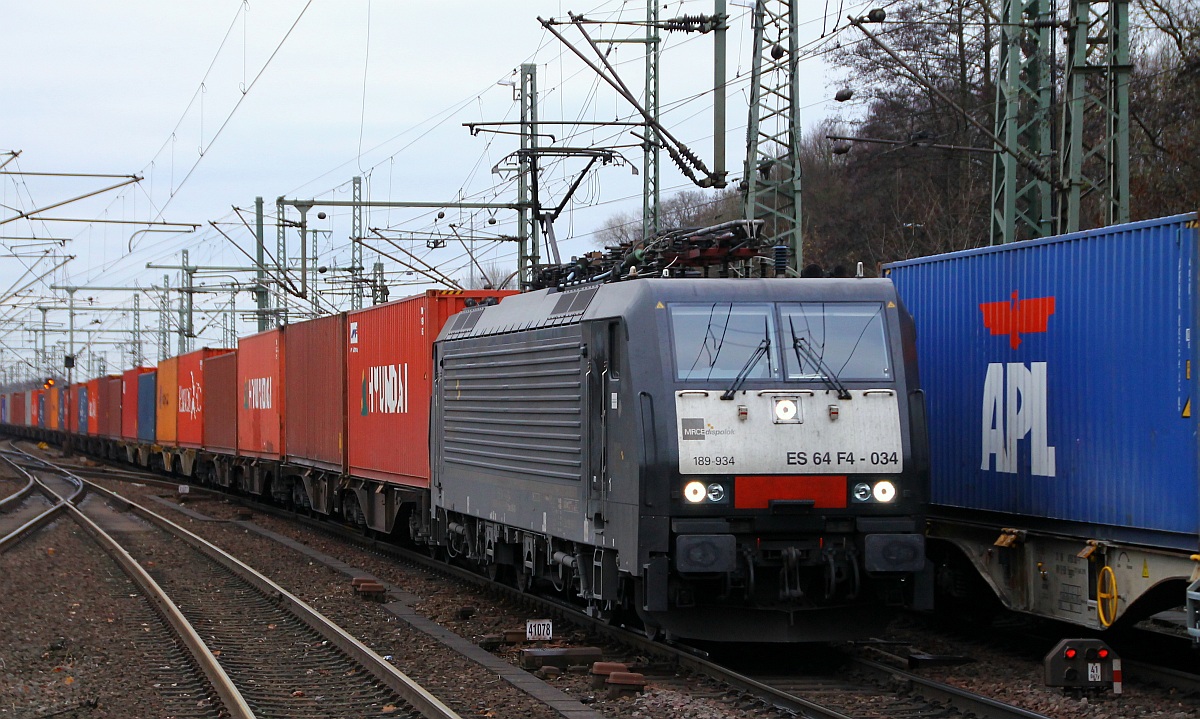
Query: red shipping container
[16, 409]
[189, 426]
[314, 419]
[93, 407]
[110, 406]
[389, 377]
[260, 384]
[129, 402]
[71, 411]
[168, 402]
[220, 403]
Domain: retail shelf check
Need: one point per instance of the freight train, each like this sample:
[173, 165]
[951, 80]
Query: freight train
[1062, 377]
[726, 459]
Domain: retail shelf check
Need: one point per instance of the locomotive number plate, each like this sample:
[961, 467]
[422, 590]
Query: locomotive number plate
[789, 432]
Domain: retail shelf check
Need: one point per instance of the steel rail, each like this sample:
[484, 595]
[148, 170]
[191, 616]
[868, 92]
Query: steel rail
[416, 695]
[235, 704]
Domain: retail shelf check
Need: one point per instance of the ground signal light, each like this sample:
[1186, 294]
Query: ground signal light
[1083, 665]
[49, 383]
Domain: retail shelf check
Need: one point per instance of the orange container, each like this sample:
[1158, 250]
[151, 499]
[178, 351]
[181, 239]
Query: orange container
[52, 408]
[260, 384]
[314, 400]
[168, 402]
[93, 407]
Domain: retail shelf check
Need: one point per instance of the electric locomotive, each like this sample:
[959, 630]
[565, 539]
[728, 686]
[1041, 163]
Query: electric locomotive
[730, 459]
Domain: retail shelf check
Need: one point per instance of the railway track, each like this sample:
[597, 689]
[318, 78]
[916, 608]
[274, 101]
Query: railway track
[261, 643]
[862, 689]
[869, 689]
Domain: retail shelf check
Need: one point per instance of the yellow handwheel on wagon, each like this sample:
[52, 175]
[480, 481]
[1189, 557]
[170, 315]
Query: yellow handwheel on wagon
[1106, 596]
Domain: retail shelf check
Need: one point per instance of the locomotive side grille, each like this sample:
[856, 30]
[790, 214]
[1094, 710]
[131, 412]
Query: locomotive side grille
[516, 409]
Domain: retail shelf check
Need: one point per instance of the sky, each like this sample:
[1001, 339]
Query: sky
[215, 103]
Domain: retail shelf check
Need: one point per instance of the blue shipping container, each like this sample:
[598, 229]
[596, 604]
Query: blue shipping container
[81, 405]
[1059, 378]
[41, 410]
[147, 420]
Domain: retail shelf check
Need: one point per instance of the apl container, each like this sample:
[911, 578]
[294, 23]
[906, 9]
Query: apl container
[129, 402]
[167, 417]
[1060, 376]
[147, 407]
[189, 426]
[221, 403]
[315, 393]
[260, 387]
[389, 377]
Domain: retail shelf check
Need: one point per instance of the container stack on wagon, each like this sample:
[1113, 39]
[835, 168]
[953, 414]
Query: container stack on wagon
[1061, 377]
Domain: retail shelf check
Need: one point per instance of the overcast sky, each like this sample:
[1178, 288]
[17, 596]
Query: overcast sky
[214, 103]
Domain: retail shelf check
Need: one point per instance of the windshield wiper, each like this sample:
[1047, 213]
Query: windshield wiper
[804, 347]
[751, 361]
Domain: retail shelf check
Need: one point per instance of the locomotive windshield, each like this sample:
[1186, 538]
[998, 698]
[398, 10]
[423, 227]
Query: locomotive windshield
[841, 340]
[846, 338]
[717, 340]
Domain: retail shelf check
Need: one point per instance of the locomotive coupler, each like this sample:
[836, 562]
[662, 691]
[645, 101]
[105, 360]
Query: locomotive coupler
[789, 575]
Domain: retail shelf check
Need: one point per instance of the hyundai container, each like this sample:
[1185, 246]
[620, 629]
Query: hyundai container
[389, 377]
[147, 407]
[191, 398]
[129, 402]
[167, 418]
[315, 393]
[220, 403]
[1060, 376]
[260, 395]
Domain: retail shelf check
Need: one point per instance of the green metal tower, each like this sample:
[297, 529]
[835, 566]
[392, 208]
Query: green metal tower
[1095, 157]
[772, 172]
[1023, 200]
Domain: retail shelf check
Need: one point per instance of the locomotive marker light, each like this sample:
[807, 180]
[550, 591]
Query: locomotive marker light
[885, 491]
[862, 492]
[716, 493]
[695, 492]
[1083, 664]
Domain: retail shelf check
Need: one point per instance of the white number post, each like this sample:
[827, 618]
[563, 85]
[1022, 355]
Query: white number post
[539, 630]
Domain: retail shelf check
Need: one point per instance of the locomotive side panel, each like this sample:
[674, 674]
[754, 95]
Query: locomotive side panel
[513, 427]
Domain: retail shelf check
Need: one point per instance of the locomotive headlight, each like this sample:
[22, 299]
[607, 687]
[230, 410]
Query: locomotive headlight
[787, 411]
[885, 491]
[716, 493]
[695, 492]
[862, 492]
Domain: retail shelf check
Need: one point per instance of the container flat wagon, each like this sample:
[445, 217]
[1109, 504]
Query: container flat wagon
[1062, 384]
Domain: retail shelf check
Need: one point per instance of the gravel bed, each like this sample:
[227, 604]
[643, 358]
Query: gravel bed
[1006, 676]
[1016, 678]
[442, 600]
[78, 637]
[11, 481]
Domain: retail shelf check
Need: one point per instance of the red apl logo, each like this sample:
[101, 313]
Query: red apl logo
[1017, 317]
